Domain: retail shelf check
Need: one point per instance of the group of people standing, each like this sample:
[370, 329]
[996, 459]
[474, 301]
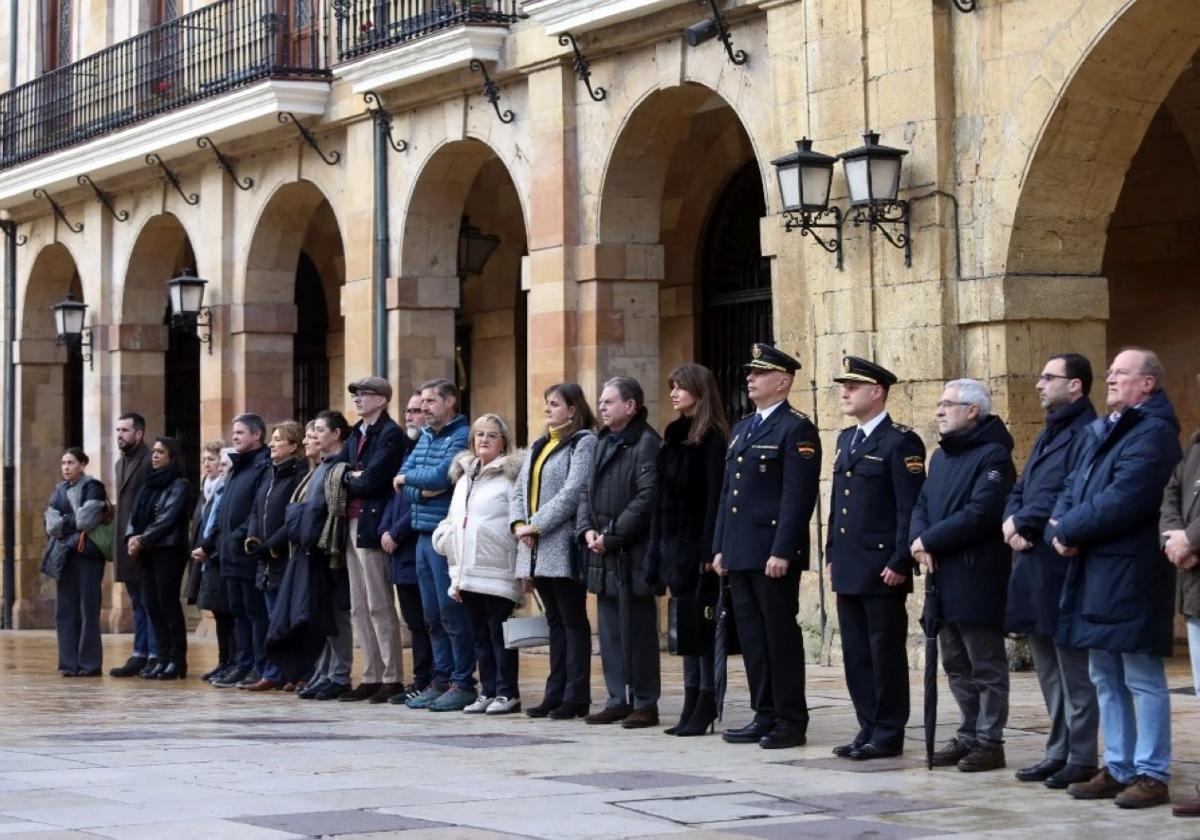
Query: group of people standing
[297, 541]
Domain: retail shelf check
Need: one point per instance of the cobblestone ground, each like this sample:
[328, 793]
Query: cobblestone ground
[170, 761]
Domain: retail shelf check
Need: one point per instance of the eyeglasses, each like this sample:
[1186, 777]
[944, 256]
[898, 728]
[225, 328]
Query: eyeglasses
[1118, 372]
[1050, 377]
[488, 436]
[948, 404]
[413, 411]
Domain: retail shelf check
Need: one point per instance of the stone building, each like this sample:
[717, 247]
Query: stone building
[1052, 182]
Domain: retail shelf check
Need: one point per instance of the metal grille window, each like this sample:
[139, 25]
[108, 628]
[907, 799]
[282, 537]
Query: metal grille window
[364, 26]
[64, 33]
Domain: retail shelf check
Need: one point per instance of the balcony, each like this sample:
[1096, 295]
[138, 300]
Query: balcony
[377, 39]
[579, 16]
[247, 57]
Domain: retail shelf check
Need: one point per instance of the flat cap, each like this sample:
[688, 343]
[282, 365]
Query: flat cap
[374, 384]
[766, 357]
[856, 369]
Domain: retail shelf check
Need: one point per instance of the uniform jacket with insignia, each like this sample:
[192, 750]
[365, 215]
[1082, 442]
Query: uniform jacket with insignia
[769, 491]
[874, 491]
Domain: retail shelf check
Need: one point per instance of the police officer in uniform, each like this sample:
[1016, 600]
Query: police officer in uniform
[877, 475]
[772, 470]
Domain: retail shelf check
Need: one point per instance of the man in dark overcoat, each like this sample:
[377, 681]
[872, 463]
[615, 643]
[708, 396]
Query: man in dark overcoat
[957, 538]
[1038, 574]
[772, 473]
[1118, 595]
[877, 475]
[131, 470]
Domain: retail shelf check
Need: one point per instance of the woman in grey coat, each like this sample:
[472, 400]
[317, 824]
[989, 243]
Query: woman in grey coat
[543, 508]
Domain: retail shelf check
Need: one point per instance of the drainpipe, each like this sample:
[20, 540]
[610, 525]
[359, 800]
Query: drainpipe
[382, 238]
[10, 369]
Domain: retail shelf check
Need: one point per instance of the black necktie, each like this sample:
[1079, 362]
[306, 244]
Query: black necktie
[754, 424]
[859, 437]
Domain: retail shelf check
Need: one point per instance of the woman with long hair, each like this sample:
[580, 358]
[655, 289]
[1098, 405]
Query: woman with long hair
[691, 467]
[77, 507]
[157, 539]
[211, 592]
[545, 501]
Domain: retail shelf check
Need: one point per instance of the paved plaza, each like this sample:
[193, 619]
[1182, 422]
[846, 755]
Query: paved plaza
[172, 761]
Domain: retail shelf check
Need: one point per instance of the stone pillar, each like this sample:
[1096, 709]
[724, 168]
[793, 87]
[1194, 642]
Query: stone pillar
[421, 319]
[261, 335]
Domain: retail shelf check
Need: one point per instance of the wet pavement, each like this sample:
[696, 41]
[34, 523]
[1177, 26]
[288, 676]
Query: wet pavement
[173, 761]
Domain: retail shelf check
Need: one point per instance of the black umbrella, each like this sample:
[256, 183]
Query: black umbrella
[931, 623]
[725, 644]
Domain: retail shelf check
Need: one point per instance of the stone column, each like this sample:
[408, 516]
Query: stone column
[260, 361]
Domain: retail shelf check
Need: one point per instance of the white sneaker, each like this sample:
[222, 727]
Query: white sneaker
[478, 707]
[504, 706]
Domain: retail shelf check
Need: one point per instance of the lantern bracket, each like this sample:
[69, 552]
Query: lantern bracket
[58, 211]
[583, 68]
[881, 215]
[10, 230]
[310, 140]
[85, 180]
[81, 344]
[808, 222]
[225, 163]
[154, 159]
[383, 119]
[200, 323]
[491, 92]
[737, 57]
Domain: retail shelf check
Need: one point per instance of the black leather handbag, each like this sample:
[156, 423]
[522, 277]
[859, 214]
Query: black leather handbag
[691, 623]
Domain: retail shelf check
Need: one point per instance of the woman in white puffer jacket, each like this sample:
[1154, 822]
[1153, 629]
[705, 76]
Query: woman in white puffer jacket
[479, 544]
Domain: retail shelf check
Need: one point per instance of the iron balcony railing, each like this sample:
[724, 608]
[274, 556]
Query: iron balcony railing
[225, 45]
[366, 26]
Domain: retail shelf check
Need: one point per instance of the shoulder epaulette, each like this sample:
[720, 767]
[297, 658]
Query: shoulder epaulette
[800, 414]
[901, 428]
[745, 417]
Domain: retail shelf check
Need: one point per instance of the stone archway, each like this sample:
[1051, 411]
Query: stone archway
[473, 329]
[679, 150]
[49, 391]
[296, 231]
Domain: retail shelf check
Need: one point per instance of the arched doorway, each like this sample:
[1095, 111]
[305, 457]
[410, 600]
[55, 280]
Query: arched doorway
[684, 184]
[289, 334]
[466, 196]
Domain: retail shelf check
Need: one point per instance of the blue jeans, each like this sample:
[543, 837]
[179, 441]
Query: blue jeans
[144, 643]
[1135, 714]
[270, 670]
[453, 644]
[1193, 627]
[249, 610]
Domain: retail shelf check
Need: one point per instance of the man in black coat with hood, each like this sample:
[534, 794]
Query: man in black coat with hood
[1038, 573]
[957, 538]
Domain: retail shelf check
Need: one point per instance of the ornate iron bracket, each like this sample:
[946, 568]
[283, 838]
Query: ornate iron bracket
[739, 57]
[81, 344]
[58, 211]
[965, 5]
[225, 163]
[809, 222]
[199, 323]
[384, 119]
[10, 230]
[583, 68]
[307, 136]
[153, 159]
[491, 92]
[85, 180]
[890, 214]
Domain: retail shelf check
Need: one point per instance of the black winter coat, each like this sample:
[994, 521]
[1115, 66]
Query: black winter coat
[168, 527]
[1037, 578]
[619, 503]
[379, 461]
[689, 481]
[267, 532]
[302, 619]
[958, 517]
[233, 518]
[1120, 588]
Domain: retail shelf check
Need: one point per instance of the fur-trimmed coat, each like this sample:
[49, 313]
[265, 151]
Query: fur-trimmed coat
[476, 536]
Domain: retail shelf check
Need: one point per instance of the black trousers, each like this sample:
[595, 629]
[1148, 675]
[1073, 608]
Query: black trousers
[570, 677]
[251, 620]
[772, 644]
[226, 646]
[162, 579]
[77, 612]
[409, 595]
[874, 629]
[497, 664]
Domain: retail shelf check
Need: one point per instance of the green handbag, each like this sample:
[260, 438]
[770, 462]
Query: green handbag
[102, 537]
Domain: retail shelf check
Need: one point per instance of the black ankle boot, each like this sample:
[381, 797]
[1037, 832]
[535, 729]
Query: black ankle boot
[689, 705]
[702, 718]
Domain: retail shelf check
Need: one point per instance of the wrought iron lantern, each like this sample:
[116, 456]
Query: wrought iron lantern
[873, 178]
[475, 248]
[69, 329]
[805, 177]
[188, 312]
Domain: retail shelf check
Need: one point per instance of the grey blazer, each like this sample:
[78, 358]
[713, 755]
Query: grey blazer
[566, 471]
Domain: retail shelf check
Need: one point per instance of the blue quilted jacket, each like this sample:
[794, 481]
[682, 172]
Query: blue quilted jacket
[427, 467]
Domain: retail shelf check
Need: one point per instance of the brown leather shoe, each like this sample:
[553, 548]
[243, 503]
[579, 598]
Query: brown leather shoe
[954, 751]
[1145, 792]
[606, 716]
[1100, 786]
[1187, 807]
[982, 757]
[641, 718]
[386, 692]
[362, 691]
[263, 685]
